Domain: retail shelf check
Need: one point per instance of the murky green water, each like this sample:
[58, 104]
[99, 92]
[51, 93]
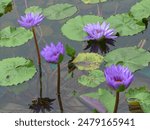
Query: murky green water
[17, 98]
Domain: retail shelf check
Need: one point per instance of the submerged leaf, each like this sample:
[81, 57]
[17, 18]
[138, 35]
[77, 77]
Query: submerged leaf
[88, 61]
[59, 11]
[73, 29]
[16, 70]
[93, 102]
[12, 37]
[94, 78]
[125, 24]
[132, 57]
[5, 6]
[104, 97]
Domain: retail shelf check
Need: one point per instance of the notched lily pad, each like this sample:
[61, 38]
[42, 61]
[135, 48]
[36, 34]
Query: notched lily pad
[12, 36]
[88, 61]
[16, 70]
[126, 25]
[73, 29]
[141, 10]
[59, 11]
[141, 97]
[133, 57]
[94, 78]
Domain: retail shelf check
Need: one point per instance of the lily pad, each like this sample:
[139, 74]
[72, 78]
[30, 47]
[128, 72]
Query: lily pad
[125, 24]
[88, 61]
[142, 95]
[5, 6]
[133, 57]
[94, 78]
[12, 36]
[73, 29]
[93, 1]
[141, 10]
[105, 98]
[33, 9]
[16, 70]
[59, 11]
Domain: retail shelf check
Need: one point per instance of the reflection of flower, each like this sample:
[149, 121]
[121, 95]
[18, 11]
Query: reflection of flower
[118, 76]
[41, 105]
[99, 36]
[51, 53]
[30, 20]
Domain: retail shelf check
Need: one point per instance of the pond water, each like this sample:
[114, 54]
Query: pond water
[17, 98]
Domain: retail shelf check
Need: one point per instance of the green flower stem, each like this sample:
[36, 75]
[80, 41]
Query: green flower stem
[116, 102]
[39, 60]
[58, 89]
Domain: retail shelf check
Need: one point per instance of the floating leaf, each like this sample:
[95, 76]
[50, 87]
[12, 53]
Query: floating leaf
[88, 61]
[94, 78]
[93, 1]
[16, 70]
[132, 57]
[141, 10]
[142, 95]
[125, 24]
[73, 29]
[138, 93]
[33, 9]
[5, 6]
[59, 11]
[70, 51]
[12, 37]
[145, 105]
[104, 97]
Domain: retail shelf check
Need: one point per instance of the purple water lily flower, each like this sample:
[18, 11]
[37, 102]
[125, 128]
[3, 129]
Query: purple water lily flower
[98, 36]
[118, 76]
[97, 31]
[52, 52]
[30, 20]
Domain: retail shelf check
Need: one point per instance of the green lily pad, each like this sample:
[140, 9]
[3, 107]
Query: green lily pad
[5, 6]
[12, 36]
[104, 97]
[16, 70]
[141, 10]
[73, 29]
[133, 57]
[93, 1]
[33, 9]
[142, 95]
[59, 11]
[94, 78]
[88, 61]
[125, 24]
